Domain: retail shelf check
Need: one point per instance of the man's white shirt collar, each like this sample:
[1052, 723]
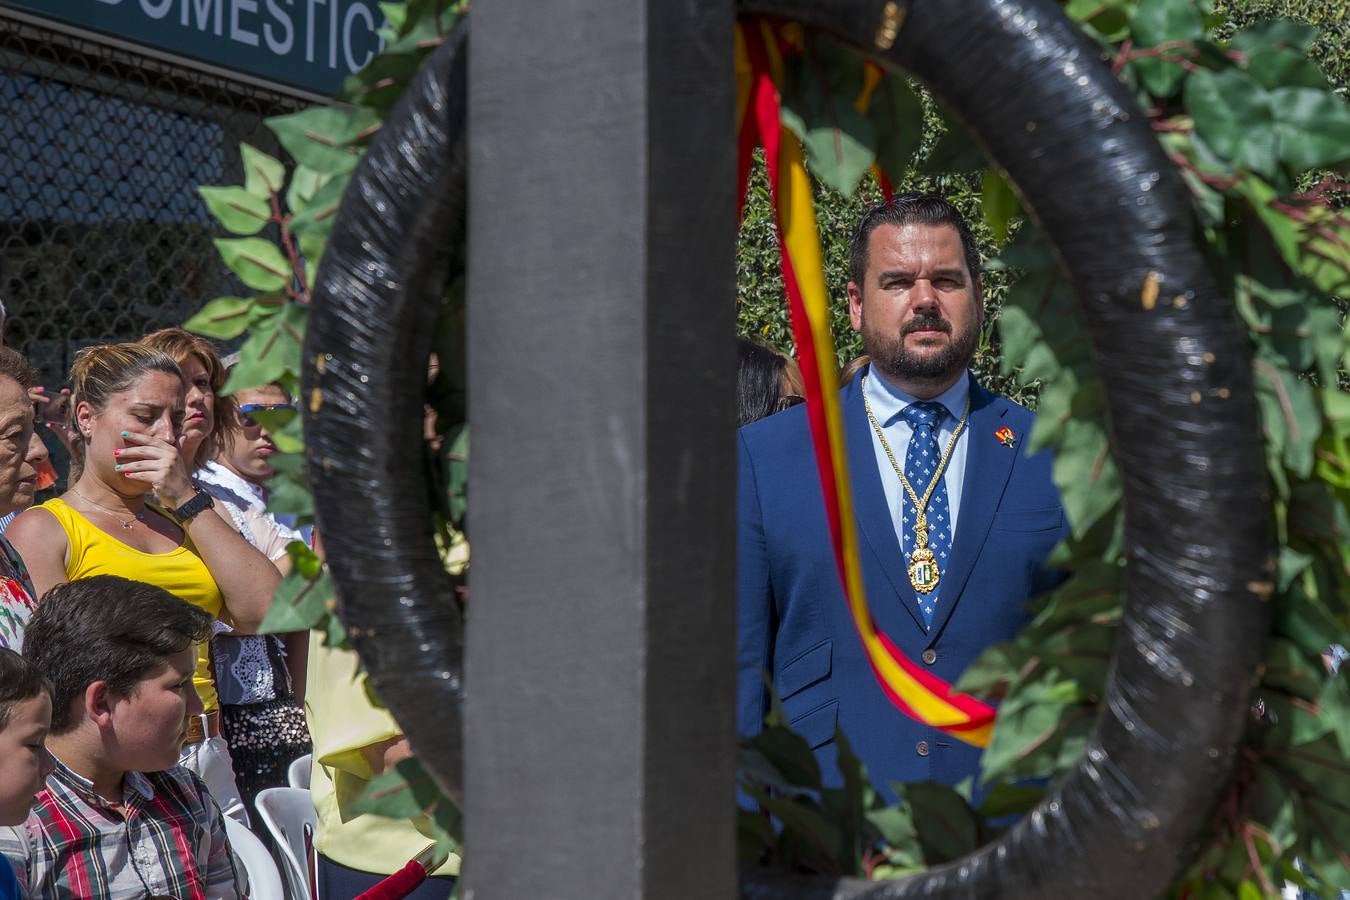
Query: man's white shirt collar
[888, 401]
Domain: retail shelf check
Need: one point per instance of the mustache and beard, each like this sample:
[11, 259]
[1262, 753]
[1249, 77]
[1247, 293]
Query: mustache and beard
[889, 353]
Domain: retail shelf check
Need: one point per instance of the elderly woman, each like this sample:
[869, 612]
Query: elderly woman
[130, 423]
[21, 453]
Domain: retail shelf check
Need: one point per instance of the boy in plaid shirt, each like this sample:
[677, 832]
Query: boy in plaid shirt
[118, 817]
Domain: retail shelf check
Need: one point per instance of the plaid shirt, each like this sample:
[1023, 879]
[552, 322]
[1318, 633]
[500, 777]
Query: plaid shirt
[166, 840]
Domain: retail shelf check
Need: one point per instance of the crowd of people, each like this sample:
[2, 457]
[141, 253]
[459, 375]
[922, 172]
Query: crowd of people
[139, 707]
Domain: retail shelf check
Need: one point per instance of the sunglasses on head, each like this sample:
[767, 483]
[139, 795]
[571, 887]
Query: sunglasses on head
[246, 409]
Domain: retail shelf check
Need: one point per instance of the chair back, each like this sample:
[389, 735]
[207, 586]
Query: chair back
[297, 775]
[289, 815]
[264, 883]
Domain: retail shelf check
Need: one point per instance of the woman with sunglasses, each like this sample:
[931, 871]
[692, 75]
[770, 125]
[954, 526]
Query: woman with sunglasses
[767, 382]
[260, 677]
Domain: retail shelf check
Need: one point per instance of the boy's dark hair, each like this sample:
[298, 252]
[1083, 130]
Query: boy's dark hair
[109, 629]
[20, 680]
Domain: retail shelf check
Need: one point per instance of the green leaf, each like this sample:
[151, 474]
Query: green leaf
[1283, 230]
[320, 137]
[1109, 19]
[1290, 416]
[238, 210]
[1161, 22]
[407, 791]
[807, 824]
[272, 350]
[999, 204]
[1033, 722]
[1235, 117]
[395, 14]
[222, 318]
[1084, 470]
[315, 222]
[1278, 67]
[992, 670]
[1274, 33]
[818, 105]
[897, 117]
[789, 754]
[1010, 800]
[455, 453]
[1313, 127]
[290, 490]
[947, 827]
[263, 175]
[257, 262]
[1290, 671]
[1327, 262]
[895, 825]
[1333, 705]
[300, 602]
[304, 559]
[305, 183]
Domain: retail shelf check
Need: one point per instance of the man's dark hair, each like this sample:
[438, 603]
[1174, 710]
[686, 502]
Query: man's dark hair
[910, 209]
[107, 628]
[20, 680]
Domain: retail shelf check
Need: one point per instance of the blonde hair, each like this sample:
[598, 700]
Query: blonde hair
[103, 370]
[852, 369]
[182, 346]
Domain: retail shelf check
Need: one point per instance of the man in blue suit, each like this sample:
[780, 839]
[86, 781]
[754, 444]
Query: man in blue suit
[955, 519]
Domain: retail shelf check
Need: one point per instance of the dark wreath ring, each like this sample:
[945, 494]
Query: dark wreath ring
[1175, 365]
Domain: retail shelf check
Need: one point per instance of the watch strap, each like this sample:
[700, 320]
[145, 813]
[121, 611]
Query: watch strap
[200, 501]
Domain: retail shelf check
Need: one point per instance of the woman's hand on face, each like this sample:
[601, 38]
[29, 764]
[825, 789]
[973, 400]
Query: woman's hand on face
[158, 463]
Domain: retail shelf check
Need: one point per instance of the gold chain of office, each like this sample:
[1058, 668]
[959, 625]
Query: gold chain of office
[923, 568]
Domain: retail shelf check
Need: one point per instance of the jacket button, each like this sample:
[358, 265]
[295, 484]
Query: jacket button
[930, 656]
[921, 748]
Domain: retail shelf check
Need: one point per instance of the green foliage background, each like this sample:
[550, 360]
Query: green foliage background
[1261, 139]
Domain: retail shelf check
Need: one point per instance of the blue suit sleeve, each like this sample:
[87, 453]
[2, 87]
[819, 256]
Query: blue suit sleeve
[755, 606]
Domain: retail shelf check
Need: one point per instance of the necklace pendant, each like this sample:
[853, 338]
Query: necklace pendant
[923, 570]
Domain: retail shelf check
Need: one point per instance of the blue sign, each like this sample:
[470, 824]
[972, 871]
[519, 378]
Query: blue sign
[309, 44]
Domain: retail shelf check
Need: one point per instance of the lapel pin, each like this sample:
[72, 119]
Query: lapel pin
[1006, 437]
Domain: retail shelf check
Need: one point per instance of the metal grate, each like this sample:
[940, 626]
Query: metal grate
[102, 234]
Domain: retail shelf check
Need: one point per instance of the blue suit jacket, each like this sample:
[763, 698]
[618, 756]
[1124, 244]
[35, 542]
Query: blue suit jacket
[795, 624]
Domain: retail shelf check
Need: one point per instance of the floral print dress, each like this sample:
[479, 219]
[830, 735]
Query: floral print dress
[17, 597]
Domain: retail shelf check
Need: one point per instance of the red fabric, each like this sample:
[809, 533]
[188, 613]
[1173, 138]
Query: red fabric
[399, 885]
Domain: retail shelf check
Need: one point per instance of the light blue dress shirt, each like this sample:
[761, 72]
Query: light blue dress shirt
[887, 403]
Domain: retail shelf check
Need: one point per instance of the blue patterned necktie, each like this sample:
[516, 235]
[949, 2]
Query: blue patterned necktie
[921, 461]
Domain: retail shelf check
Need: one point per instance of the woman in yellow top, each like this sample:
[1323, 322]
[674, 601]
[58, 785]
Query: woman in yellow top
[127, 412]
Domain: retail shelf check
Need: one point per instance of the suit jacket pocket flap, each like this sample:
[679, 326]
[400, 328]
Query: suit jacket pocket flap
[817, 726]
[1029, 519]
[805, 670]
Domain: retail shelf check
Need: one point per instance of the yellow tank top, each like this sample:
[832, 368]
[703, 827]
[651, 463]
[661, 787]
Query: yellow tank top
[181, 572]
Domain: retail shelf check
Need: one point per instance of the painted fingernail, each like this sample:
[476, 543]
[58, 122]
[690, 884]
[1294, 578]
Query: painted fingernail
[117, 452]
[126, 434]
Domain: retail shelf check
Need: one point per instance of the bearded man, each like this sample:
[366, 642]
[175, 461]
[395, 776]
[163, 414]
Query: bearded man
[955, 518]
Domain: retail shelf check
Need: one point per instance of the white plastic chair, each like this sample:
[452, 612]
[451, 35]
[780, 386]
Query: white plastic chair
[297, 774]
[289, 815]
[264, 883]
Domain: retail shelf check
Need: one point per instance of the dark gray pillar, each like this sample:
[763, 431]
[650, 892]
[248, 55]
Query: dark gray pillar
[599, 746]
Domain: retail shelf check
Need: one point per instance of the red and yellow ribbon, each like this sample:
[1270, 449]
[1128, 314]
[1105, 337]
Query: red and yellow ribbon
[915, 691]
